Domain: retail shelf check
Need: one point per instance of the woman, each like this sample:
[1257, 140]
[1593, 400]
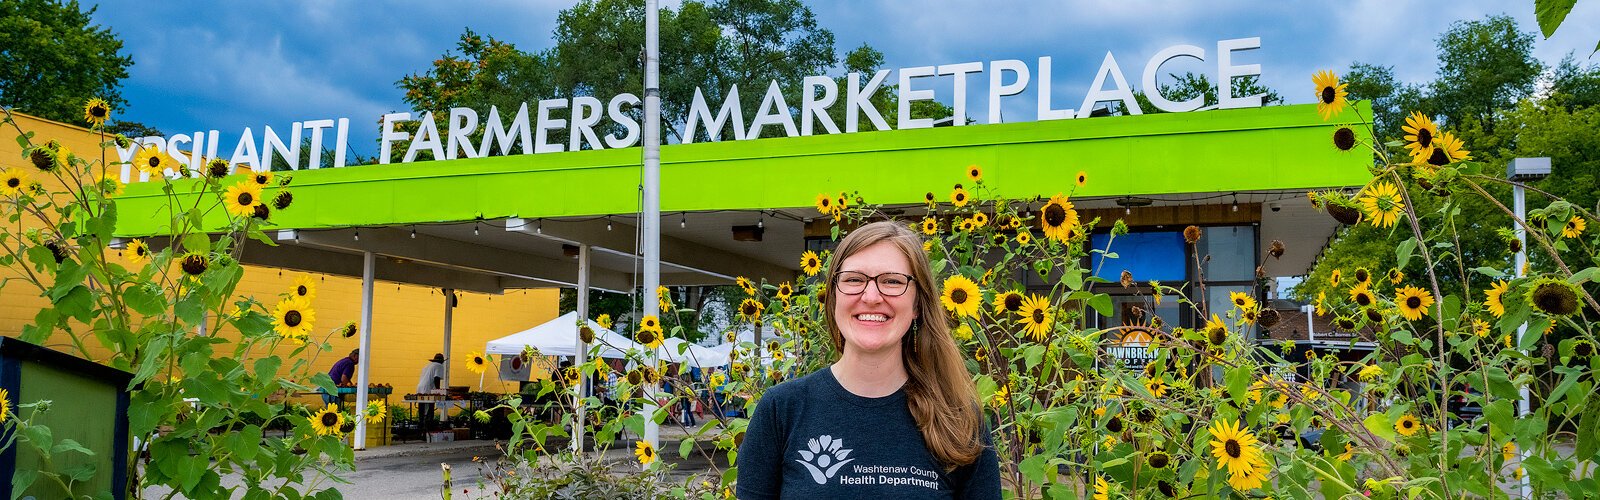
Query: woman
[896, 415]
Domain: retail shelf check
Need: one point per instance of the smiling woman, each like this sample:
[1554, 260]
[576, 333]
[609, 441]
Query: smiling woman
[896, 415]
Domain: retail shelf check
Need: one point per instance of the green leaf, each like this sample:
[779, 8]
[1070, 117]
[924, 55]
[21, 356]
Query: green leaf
[1101, 304]
[197, 243]
[1587, 274]
[685, 447]
[77, 304]
[1551, 13]
[1033, 467]
[1073, 278]
[267, 368]
[1402, 253]
[1379, 425]
[1589, 431]
[70, 445]
[1534, 332]
[1239, 383]
[1569, 377]
[1033, 355]
[1499, 414]
[145, 298]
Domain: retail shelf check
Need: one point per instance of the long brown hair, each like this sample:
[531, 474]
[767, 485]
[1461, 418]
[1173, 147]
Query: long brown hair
[939, 391]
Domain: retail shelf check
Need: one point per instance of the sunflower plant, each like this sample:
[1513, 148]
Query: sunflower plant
[212, 369]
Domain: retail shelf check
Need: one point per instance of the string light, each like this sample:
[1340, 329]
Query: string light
[1236, 202]
[683, 222]
[413, 233]
[358, 235]
[539, 226]
[608, 223]
[761, 220]
[474, 229]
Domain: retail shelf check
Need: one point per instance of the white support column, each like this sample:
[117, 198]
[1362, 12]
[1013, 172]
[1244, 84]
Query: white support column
[650, 219]
[582, 347]
[1519, 206]
[449, 310]
[369, 263]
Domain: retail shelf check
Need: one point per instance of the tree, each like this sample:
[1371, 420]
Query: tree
[52, 60]
[1191, 85]
[1390, 98]
[1484, 66]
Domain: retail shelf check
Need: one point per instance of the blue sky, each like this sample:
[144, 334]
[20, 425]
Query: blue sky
[229, 65]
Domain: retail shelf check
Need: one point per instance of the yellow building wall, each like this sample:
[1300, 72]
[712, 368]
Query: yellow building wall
[407, 321]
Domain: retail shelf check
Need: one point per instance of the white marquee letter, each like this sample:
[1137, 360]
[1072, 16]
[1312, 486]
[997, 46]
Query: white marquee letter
[858, 98]
[1097, 93]
[630, 125]
[496, 133]
[1226, 71]
[463, 121]
[541, 138]
[1153, 91]
[427, 137]
[997, 75]
[1045, 113]
[773, 111]
[960, 71]
[387, 132]
[907, 95]
[813, 107]
[699, 111]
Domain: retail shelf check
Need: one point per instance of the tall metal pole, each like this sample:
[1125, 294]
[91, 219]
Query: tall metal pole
[582, 351]
[651, 216]
[1518, 205]
[449, 323]
[369, 264]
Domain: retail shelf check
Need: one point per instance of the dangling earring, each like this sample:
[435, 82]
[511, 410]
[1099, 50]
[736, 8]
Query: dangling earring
[915, 323]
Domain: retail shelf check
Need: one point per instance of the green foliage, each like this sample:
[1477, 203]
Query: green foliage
[198, 403]
[1484, 66]
[54, 58]
[1191, 85]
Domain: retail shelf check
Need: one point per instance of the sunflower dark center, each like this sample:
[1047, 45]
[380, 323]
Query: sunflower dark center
[1583, 349]
[1232, 447]
[1159, 460]
[330, 419]
[1555, 299]
[1346, 324]
[291, 319]
[13, 182]
[1439, 157]
[98, 112]
[1414, 302]
[153, 162]
[261, 179]
[1114, 425]
[1362, 276]
[140, 251]
[749, 309]
[1055, 214]
[301, 290]
[1038, 316]
[1013, 302]
[973, 172]
[1218, 336]
[958, 296]
[961, 196]
[1327, 95]
[1344, 138]
[1363, 299]
[1407, 423]
[1424, 136]
[247, 199]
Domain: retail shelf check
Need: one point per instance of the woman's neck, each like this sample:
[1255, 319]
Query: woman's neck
[870, 376]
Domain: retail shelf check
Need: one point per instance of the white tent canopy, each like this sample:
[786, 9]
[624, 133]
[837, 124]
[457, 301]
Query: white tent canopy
[559, 337]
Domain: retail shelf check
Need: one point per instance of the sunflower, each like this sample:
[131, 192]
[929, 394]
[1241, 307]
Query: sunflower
[1407, 425]
[967, 225]
[1023, 238]
[262, 178]
[1381, 202]
[1361, 296]
[1102, 489]
[750, 310]
[1058, 219]
[1008, 301]
[1344, 138]
[961, 296]
[963, 333]
[241, 199]
[810, 263]
[1036, 317]
[745, 283]
[604, 320]
[375, 412]
[975, 173]
[292, 318]
[958, 196]
[477, 362]
[1480, 328]
[1419, 134]
[1249, 316]
[194, 264]
[650, 322]
[785, 290]
[305, 287]
[1082, 178]
[645, 452]
[1508, 451]
[1574, 227]
[138, 252]
[152, 161]
[1333, 277]
[930, 226]
[980, 354]
[12, 181]
[282, 200]
[1553, 297]
[217, 168]
[1330, 93]
[1492, 298]
[1321, 297]
[1250, 477]
[1413, 302]
[110, 183]
[571, 377]
[328, 421]
[1156, 386]
[349, 330]
[96, 111]
[1349, 451]
[1235, 448]
[1395, 276]
[1216, 331]
[1242, 300]
[1447, 149]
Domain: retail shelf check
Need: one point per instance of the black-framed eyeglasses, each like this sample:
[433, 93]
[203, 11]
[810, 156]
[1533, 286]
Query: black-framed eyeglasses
[889, 284]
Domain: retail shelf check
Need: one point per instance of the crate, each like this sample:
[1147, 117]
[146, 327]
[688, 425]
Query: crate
[442, 436]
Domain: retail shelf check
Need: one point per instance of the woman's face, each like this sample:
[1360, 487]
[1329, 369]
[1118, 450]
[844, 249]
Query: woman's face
[871, 321]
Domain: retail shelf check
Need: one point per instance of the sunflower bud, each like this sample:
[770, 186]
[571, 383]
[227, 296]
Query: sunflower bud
[1276, 251]
[42, 159]
[349, 330]
[1515, 245]
[1191, 234]
[586, 334]
[262, 212]
[283, 200]
[217, 168]
[194, 263]
[285, 179]
[1553, 297]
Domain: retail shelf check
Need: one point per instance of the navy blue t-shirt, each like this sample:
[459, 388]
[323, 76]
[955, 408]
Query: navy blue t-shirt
[811, 438]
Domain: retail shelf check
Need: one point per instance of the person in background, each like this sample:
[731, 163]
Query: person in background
[431, 380]
[343, 374]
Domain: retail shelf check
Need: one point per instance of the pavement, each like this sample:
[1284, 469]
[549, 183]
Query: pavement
[413, 471]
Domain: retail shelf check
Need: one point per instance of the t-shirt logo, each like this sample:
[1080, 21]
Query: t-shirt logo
[823, 458]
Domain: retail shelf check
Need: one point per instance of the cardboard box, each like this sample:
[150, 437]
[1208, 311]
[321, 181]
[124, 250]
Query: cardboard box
[462, 434]
[436, 437]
